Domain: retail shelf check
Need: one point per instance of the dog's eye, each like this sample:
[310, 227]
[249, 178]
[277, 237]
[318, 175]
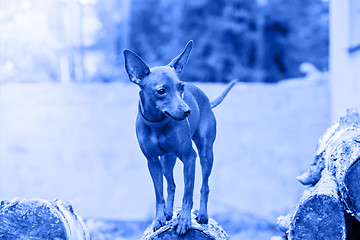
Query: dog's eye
[161, 91]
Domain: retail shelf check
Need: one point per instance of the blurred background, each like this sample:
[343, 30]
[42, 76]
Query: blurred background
[67, 108]
[82, 40]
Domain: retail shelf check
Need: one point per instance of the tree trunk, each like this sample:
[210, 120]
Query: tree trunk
[40, 219]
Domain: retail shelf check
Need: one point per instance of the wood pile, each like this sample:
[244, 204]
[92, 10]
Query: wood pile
[330, 207]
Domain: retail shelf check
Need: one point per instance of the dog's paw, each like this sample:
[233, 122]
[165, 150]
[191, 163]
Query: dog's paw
[183, 226]
[159, 222]
[202, 218]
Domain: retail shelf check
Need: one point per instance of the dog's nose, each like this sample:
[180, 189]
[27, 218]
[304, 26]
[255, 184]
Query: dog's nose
[187, 112]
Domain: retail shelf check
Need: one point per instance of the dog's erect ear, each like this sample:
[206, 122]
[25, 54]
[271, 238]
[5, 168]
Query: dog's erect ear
[135, 67]
[179, 62]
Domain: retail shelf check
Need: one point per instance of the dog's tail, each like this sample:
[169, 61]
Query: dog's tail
[224, 93]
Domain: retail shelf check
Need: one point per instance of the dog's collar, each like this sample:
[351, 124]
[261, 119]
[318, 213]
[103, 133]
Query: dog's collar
[149, 123]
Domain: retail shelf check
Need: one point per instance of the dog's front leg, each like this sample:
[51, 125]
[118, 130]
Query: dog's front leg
[187, 204]
[155, 170]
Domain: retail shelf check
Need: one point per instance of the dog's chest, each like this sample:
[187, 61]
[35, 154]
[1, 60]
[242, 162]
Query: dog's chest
[154, 142]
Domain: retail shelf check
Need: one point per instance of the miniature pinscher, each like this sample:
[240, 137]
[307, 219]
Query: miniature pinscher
[172, 114]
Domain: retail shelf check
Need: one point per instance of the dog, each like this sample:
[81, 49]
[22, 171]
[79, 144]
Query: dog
[172, 114]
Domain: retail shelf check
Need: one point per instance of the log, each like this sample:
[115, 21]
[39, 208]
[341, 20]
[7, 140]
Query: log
[338, 151]
[330, 207]
[210, 231]
[40, 219]
[318, 215]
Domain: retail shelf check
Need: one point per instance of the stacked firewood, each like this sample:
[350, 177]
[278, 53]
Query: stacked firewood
[330, 207]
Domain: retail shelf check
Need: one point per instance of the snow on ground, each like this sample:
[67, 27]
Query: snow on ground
[77, 142]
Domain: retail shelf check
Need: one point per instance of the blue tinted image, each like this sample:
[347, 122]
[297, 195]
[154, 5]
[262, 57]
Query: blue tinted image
[74, 127]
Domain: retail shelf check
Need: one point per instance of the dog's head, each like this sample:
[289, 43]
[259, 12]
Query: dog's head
[161, 86]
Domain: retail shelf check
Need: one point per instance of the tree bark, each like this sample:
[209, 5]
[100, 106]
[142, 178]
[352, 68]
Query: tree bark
[210, 231]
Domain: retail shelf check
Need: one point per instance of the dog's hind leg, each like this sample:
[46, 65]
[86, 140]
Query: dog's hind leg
[204, 140]
[168, 162]
[184, 219]
[206, 161]
[155, 169]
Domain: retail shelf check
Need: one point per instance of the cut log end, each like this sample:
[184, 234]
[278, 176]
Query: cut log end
[40, 219]
[30, 219]
[319, 217]
[352, 184]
